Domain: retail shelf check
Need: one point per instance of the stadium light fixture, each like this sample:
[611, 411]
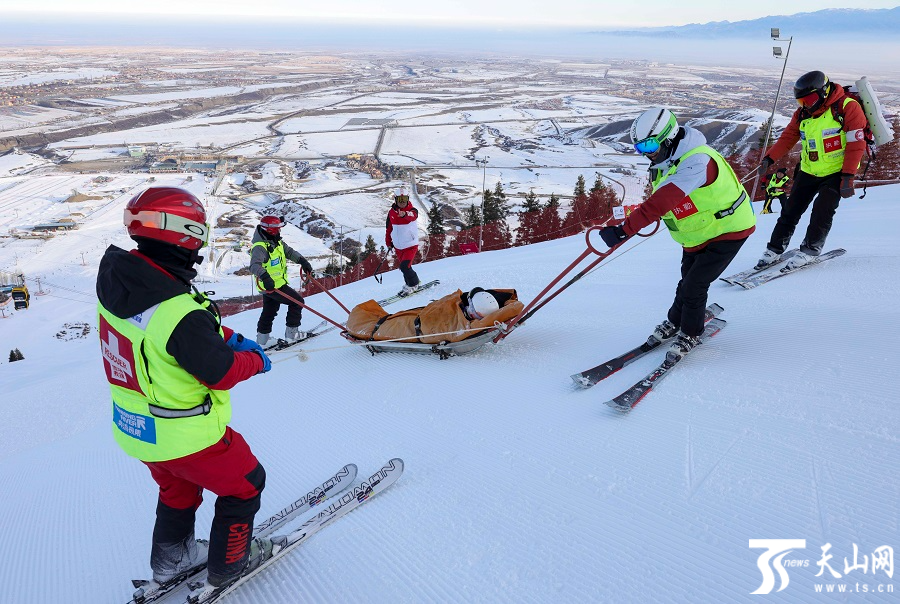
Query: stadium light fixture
[776, 52]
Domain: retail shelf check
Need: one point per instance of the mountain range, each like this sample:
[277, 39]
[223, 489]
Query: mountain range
[842, 22]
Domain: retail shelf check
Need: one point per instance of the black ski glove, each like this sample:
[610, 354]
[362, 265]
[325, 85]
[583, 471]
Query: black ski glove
[268, 282]
[764, 166]
[847, 185]
[613, 235]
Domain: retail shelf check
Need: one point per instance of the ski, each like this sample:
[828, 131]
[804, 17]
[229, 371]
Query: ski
[594, 375]
[626, 401]
[147, 591]
[743, 275]
[398, 297]
[202, 593]
[281, 344]
[765, 277]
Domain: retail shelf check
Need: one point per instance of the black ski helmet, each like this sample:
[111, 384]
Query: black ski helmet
[781, 171]
[812, 83]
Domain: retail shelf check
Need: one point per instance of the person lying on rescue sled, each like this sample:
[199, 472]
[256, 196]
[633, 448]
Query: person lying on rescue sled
[453, 316]
[706, 209]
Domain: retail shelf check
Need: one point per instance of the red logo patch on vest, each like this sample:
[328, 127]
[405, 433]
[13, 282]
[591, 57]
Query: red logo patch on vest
[832, 143]
[118, 359]
[684, 209]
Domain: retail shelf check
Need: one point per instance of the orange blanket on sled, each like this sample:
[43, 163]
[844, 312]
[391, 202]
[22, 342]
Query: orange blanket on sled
[444, 316]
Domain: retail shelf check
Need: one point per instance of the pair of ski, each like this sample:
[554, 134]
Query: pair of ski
[400, 296]
[753, 277]
[631, 397]
[339, 489]
[281, 344]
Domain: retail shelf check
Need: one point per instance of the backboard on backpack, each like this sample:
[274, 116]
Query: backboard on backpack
[877, 131]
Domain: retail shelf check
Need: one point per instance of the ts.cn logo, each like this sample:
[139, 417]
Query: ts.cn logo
[777, 549]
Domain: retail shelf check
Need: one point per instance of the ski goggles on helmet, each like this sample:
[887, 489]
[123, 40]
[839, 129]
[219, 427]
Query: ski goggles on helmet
[648, 145]
[169, 222]
[809, 100]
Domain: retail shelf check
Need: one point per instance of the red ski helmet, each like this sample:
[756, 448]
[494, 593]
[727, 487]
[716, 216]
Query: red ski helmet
[272, 224]
[167, 214]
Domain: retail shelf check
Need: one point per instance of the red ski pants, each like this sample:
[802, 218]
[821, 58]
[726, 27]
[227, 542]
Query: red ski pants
[407, 254]
[221, 468]
[230, 470]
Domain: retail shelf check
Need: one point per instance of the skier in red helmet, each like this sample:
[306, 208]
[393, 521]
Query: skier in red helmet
[830, 126]
[402, 235]
[170, 364]
[268, 263]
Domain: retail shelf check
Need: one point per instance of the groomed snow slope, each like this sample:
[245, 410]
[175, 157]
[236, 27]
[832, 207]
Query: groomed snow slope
[518, 486]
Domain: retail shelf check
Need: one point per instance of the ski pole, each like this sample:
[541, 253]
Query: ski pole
[749, 176]
[330, 295]
[378, 268]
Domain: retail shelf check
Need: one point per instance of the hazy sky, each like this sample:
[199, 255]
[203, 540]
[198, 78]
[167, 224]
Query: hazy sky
[584, 13]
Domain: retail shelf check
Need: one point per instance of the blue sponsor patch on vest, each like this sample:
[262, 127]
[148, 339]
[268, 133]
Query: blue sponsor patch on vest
[141, 427]
[275, 262]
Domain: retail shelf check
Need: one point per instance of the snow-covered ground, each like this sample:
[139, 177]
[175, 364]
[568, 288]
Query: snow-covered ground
[518, 486]
[19, 163]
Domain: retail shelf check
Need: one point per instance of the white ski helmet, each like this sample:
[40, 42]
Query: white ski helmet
[653, 129]
[483, 304]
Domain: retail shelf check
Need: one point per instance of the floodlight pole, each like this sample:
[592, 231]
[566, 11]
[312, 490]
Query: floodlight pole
[483, 163]
[776, 52]
[341, 254]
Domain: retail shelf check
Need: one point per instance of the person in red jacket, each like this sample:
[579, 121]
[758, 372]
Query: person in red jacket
[134, 288]
[830, 125]
[402, 235]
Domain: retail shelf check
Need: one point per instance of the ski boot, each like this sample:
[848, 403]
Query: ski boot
[768, 259]
[682, 345]
[162, 582]
[797, 260]
[663, 331]
[261, 549]
[292, 334]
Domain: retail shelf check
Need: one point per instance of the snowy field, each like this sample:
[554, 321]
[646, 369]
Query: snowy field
[17, 118]
[12, 164]
[518, 486]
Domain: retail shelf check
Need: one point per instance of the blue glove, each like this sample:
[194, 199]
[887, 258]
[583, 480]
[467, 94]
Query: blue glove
[613, 235]
[267, 364]
[764, 166]
[239, 343]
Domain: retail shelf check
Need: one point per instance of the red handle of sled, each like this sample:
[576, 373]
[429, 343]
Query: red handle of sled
[538, 303]
[330, 295]
[302, 305]
[533, 306]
